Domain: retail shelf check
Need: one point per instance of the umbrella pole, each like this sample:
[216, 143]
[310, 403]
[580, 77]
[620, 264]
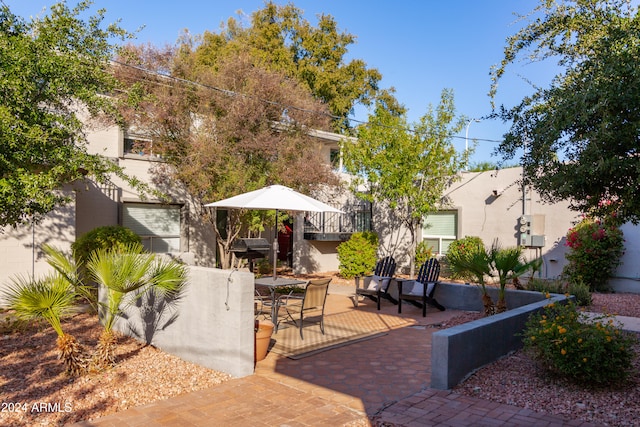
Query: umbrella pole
[275, 249]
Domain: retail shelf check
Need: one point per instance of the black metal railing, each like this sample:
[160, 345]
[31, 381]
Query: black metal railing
[337, 226]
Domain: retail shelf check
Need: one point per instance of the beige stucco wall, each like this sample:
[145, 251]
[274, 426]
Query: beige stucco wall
[101, 205]
[483, 213]
[97, 205]
[312, 256]
[489, 215]
[21, 248]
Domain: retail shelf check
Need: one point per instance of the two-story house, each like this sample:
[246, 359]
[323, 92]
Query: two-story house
[491, 205]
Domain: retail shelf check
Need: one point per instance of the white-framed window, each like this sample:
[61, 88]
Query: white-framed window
[137, 146]
[439, 229]
[157, 225]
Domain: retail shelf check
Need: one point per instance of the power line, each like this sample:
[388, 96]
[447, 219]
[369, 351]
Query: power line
[278, 104]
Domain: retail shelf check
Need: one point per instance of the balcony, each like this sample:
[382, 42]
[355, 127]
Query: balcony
[337, 227]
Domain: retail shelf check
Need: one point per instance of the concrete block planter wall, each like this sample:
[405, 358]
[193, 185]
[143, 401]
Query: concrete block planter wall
[457, 352]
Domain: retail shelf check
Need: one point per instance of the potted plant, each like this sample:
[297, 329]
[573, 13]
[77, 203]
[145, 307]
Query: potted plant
[263, 331]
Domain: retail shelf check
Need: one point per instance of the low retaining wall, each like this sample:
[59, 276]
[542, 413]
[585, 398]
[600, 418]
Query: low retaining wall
[211, 325]
[458, 351]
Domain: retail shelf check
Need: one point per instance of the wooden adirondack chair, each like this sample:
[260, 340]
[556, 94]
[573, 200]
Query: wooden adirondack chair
[420, 291]
[376, 286]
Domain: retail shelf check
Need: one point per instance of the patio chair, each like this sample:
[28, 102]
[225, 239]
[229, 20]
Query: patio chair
[420, 291]
[312, 302]
[262, 305]
[376, 286]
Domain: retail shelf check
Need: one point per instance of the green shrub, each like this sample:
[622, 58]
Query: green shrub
[596, 249]
[264, 267]
[585, 351]
[106, 237]
[358, 255]
[460, 250]
[545, 286]
[581, 292]
[423, 252]
[558, 286]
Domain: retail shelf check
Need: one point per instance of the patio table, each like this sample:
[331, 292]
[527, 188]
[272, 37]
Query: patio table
[272, 284]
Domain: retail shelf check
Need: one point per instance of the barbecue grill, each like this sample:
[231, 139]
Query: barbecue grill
[250, 249]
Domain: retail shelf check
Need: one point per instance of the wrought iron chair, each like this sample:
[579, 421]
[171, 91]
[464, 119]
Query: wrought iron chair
[312, 302]
[376, 286]
[420, 291]
[262, 305]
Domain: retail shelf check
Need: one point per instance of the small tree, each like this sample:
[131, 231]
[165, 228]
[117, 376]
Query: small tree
[50, 298]
[125, 272]
[406, 167]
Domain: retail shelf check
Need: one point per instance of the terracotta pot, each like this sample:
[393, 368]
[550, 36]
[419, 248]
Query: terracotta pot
[264, 329]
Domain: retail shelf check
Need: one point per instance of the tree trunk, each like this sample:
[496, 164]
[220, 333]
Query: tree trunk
[487, 302]
[501, 305]
[412, 252]
[105, 355]
[73, 355]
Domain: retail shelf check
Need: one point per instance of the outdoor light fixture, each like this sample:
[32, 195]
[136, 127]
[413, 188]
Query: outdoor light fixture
[466, 135]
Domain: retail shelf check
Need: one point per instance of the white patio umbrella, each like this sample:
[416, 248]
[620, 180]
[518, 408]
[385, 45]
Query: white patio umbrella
[275, 197]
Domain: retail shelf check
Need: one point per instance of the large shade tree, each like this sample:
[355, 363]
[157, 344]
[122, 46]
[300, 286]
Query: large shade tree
[282, 40]
[225, 130]
[406, 167]
[580, 134]
[50, 69]
[231, 110]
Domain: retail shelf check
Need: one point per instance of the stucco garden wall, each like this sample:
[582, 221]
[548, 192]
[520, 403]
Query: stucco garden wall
[211, 326]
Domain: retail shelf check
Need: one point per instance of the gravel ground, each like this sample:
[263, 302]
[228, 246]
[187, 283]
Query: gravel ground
[34, 391]
[517, 380]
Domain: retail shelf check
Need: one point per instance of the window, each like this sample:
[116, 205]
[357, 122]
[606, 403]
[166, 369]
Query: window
[439, 230]
[157, 225]
[140, 146]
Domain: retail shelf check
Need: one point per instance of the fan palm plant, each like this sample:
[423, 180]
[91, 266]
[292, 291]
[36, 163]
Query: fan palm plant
[508, 264]
[70, 270]
[123, 272]
[475, 262]
[50, 298]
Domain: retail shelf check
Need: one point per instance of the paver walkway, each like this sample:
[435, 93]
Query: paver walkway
[382, 382]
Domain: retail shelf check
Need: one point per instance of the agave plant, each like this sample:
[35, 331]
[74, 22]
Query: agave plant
[123, 272]
[50, 298]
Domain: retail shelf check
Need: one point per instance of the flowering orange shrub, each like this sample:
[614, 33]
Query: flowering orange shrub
[591, 351]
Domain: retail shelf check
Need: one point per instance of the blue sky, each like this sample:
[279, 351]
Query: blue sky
[420, 47]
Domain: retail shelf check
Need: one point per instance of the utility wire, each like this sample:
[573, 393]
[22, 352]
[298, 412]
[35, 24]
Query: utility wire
[232, 93]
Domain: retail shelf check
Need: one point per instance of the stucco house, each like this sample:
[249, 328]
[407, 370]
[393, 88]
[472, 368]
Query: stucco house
[491, 205]
[177, 227]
